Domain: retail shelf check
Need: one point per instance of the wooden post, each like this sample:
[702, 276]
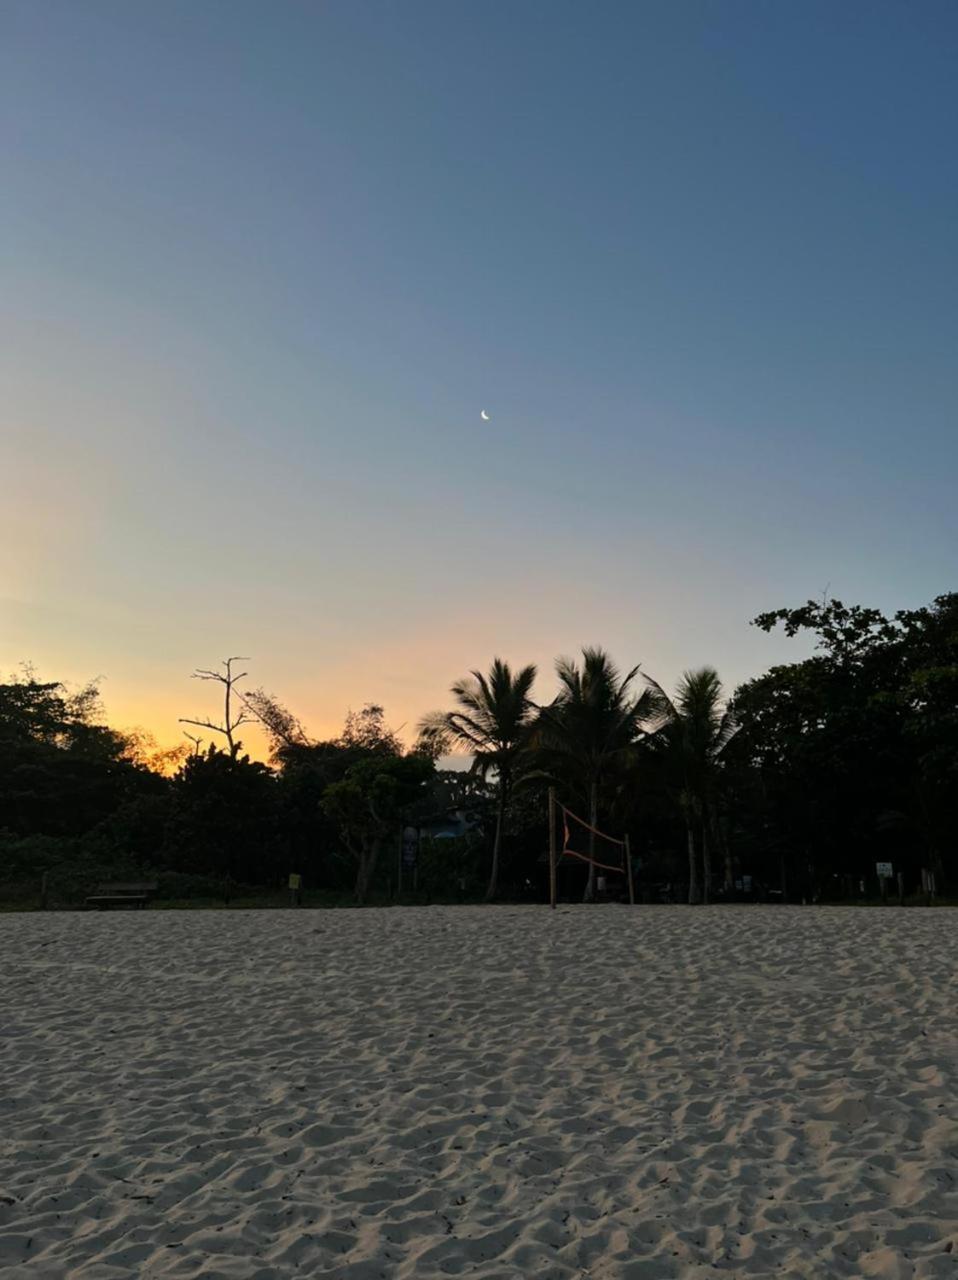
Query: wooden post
[901, 888]
[552, 848]
[593, 823]
[628, 866]
[399, 873]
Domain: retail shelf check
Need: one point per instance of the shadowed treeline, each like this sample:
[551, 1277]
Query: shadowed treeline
[791, 789]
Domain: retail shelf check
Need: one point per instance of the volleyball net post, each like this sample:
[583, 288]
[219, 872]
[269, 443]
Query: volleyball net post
[552, 848]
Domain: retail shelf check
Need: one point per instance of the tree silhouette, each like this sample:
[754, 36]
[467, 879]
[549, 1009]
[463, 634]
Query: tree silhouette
[492, 723]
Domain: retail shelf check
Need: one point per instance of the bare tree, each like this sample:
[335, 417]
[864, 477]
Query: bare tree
[231, 720]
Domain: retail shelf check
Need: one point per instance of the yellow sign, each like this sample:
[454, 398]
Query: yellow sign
[295, 881]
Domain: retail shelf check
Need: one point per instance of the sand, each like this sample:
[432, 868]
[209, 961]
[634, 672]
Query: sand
[488, 1092]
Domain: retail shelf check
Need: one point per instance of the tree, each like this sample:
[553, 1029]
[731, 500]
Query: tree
[143, 750]
[307, 769]
[856, 747]
[223, 818]
[47, 712]
[283, 729]
[61, 769]
[369, 803]
[367, 731]
[233, 719]
[695, 729]
[930, 697]
[492, 722]
[591, 728]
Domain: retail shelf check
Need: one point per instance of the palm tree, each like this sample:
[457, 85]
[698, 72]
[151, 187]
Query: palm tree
[591, 727]
[492, 722]
[696, 729]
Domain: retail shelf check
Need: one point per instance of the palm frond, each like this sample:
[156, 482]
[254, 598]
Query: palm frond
[665, 704]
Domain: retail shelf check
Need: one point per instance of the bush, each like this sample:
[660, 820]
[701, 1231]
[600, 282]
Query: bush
[451, 868]
[181, 885]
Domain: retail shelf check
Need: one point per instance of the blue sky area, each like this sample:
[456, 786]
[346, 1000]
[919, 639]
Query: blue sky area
[264, 264]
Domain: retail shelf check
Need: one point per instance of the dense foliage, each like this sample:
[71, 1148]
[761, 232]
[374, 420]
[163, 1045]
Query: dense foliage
[793, 788]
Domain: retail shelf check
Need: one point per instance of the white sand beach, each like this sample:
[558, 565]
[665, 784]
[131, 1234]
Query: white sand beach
[659, 1092]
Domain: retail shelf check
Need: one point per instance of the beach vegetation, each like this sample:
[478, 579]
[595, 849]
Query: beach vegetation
[792, 789]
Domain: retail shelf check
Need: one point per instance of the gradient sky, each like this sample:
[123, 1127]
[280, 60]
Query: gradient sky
[264, 263]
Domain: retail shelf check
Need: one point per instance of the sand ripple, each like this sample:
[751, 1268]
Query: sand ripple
[657, 1093]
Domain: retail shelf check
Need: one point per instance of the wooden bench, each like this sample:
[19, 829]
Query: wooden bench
[123, 896]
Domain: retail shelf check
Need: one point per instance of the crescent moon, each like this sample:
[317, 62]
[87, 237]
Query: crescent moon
[483, 415]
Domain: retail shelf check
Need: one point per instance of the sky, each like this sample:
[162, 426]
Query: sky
[264, 264]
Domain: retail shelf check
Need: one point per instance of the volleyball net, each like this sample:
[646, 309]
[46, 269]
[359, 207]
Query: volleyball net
[572, 839]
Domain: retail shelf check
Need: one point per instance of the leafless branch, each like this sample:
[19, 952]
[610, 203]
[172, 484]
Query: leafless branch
[228, 680]
[201, 674]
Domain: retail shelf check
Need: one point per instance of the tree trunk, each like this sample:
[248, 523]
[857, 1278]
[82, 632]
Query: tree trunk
[496, 845]
[693, 864]
[706, 862]
[729, 873]
[229, 728]
[938, 867]
[364, 873]
[589, 895]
